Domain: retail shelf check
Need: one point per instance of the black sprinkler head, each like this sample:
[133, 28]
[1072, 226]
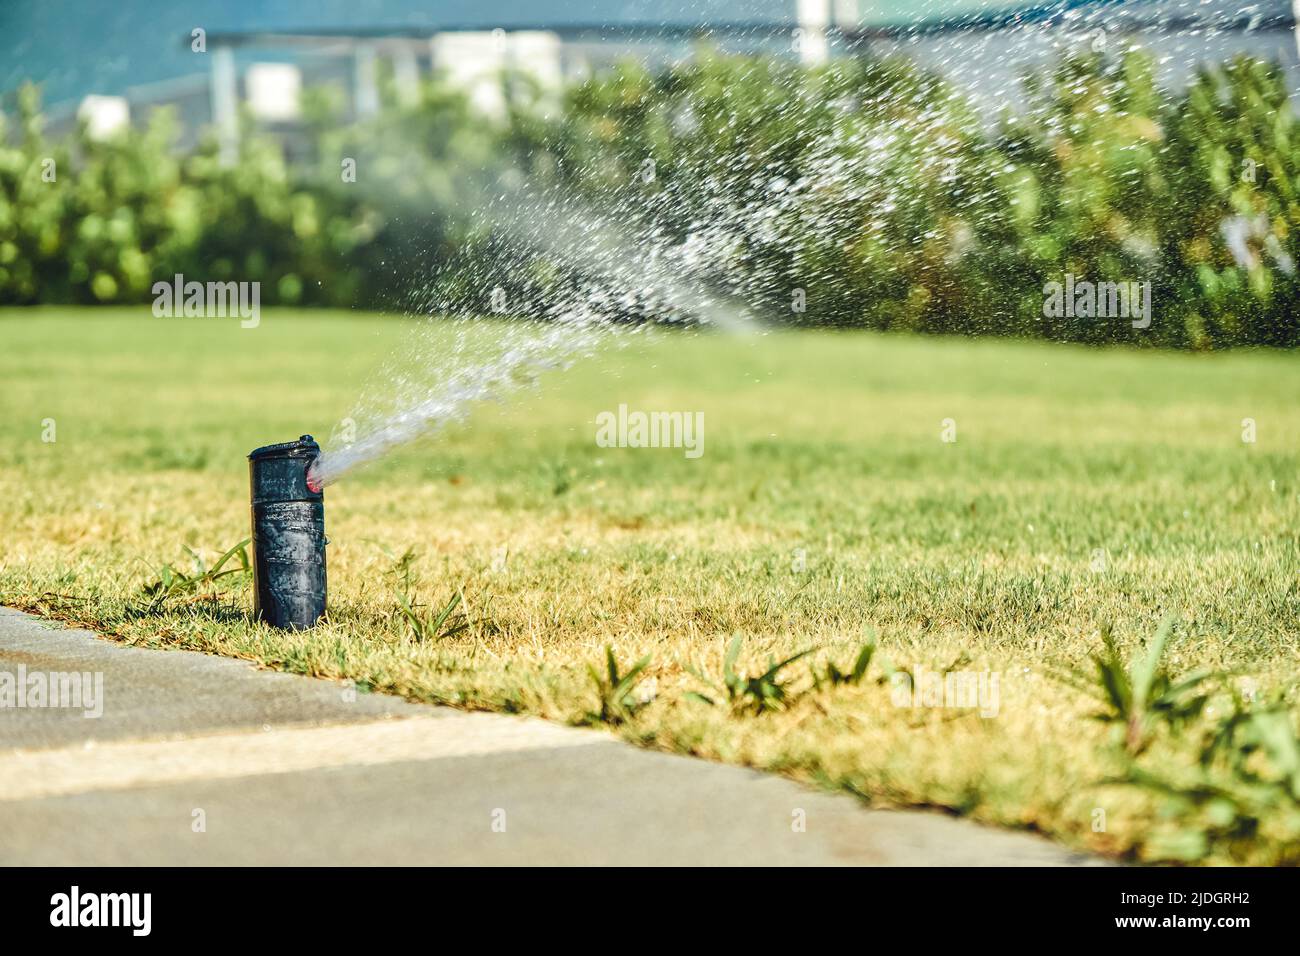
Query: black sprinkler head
[288, 535]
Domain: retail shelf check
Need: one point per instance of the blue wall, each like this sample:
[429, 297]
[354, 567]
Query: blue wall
[75, 47]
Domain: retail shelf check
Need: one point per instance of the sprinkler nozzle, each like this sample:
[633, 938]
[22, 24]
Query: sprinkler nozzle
[288, 535]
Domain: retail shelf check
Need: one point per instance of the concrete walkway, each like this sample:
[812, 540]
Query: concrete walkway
[206, 760]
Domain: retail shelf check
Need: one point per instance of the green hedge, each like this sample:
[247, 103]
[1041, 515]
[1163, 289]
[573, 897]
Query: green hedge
[868, 192]
[118, 215]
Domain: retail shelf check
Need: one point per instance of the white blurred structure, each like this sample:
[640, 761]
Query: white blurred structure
[274, 91]
[406, 74]
[811, 42]
[477, 62]
[537, 54]
[104, 115]
[365, 80]
[815, 19]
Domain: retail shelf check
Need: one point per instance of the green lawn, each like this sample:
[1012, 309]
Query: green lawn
[1084, 488]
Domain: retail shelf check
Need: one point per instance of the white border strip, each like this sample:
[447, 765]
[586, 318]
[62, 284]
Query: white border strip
[123, 765]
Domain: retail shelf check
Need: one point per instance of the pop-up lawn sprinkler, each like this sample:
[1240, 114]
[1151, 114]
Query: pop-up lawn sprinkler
[288, 535]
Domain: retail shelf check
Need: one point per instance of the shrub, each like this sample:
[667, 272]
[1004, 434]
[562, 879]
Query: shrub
[864, 193]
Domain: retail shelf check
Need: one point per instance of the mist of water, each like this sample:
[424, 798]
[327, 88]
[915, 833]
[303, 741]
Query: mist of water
[438, 379]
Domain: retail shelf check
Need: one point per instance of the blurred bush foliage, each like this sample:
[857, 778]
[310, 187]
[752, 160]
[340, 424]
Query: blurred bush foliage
[863, 193]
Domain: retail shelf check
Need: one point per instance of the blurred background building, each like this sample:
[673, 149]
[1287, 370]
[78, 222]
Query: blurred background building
[110, 65]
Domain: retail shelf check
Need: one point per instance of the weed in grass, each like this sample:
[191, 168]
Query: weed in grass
[1247, 785]
[832, 676]
[441, 625]
[562, 477]
[746, 694]
[422, 630]
[171, 581]
[1139, 694]
[617, 692]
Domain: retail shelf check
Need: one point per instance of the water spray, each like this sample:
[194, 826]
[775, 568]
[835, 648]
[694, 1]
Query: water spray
[288, 507]
[618, 288]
